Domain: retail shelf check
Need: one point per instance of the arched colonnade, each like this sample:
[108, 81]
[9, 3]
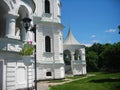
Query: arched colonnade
[12, 13]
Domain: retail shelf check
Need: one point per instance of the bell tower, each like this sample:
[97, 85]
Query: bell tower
[49, 39]
[48, 10]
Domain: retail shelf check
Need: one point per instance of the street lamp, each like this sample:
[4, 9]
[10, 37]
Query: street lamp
[26, 24]
[119, 28]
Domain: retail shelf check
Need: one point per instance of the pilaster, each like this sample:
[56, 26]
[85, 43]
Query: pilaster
[56, 46]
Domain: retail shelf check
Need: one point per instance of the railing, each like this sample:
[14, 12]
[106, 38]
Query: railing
[78, 62]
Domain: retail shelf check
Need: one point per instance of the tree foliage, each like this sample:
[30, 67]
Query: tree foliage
[92, 59]
[105, 57]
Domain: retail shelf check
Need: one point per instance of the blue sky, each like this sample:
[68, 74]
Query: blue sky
[92, 20]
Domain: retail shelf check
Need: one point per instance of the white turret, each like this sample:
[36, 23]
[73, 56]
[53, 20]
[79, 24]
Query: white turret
[48, 10]
[49, 39]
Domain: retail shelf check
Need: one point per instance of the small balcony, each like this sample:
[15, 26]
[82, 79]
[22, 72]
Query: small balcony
[8, 44]
[77, 62]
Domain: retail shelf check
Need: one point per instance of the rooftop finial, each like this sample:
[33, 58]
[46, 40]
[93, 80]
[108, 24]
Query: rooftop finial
[70, 39]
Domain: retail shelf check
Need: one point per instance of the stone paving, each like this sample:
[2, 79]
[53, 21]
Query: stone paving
[43, 86]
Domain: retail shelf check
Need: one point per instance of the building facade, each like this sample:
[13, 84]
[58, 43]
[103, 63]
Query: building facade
[18, 73]
[74, 56]
[49, 39]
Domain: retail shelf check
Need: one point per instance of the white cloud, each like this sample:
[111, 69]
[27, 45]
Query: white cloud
[95, 41]
[93, 36]
[110, 31]
[87, 45]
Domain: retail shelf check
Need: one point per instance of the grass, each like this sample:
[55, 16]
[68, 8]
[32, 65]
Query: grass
[102, 81]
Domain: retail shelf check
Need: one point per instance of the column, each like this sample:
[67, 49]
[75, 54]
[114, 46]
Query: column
[72, 56]
[83, 54]
[83, 61]
[10, 25]
[23, 34]
[72, 62]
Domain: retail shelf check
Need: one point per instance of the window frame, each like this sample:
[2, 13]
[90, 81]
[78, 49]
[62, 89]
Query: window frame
[47, 6]
[47, 44]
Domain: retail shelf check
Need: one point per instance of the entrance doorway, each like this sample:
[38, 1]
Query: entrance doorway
[67, 60]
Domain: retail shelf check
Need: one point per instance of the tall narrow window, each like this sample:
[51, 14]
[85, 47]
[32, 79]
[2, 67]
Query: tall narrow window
[47, 6]
[47, 44]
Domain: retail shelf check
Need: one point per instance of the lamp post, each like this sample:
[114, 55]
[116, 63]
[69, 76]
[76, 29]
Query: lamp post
[26, 24]
[119, 28]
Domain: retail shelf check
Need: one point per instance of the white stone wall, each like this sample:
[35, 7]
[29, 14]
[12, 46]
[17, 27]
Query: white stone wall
[48, 60]
[78, 66]
[49, 24]
[55, 9]
[16, 74]
[54, 32]
[57, 71]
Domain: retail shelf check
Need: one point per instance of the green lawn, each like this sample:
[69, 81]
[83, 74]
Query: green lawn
[102, 81]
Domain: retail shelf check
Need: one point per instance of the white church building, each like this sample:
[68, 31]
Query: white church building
[55, 57]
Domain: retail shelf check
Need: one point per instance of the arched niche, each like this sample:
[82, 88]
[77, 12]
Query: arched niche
[22, 12]
[77, 55]
[67, 57]
[67, 60]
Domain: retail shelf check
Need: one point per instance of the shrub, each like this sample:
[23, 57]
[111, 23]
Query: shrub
[27, 49]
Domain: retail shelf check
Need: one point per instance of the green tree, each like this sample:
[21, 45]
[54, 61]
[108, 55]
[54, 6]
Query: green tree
[103, 57]
[92, 59]
[111, 57]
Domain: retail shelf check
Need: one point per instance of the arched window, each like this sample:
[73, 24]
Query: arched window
[47, 44]
[77, 55]
[67, 57]
[47, 6]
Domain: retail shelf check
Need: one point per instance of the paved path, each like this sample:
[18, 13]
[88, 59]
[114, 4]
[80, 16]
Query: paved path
[44, 85]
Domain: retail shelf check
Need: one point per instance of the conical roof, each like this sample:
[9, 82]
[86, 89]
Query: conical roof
[70, 39]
